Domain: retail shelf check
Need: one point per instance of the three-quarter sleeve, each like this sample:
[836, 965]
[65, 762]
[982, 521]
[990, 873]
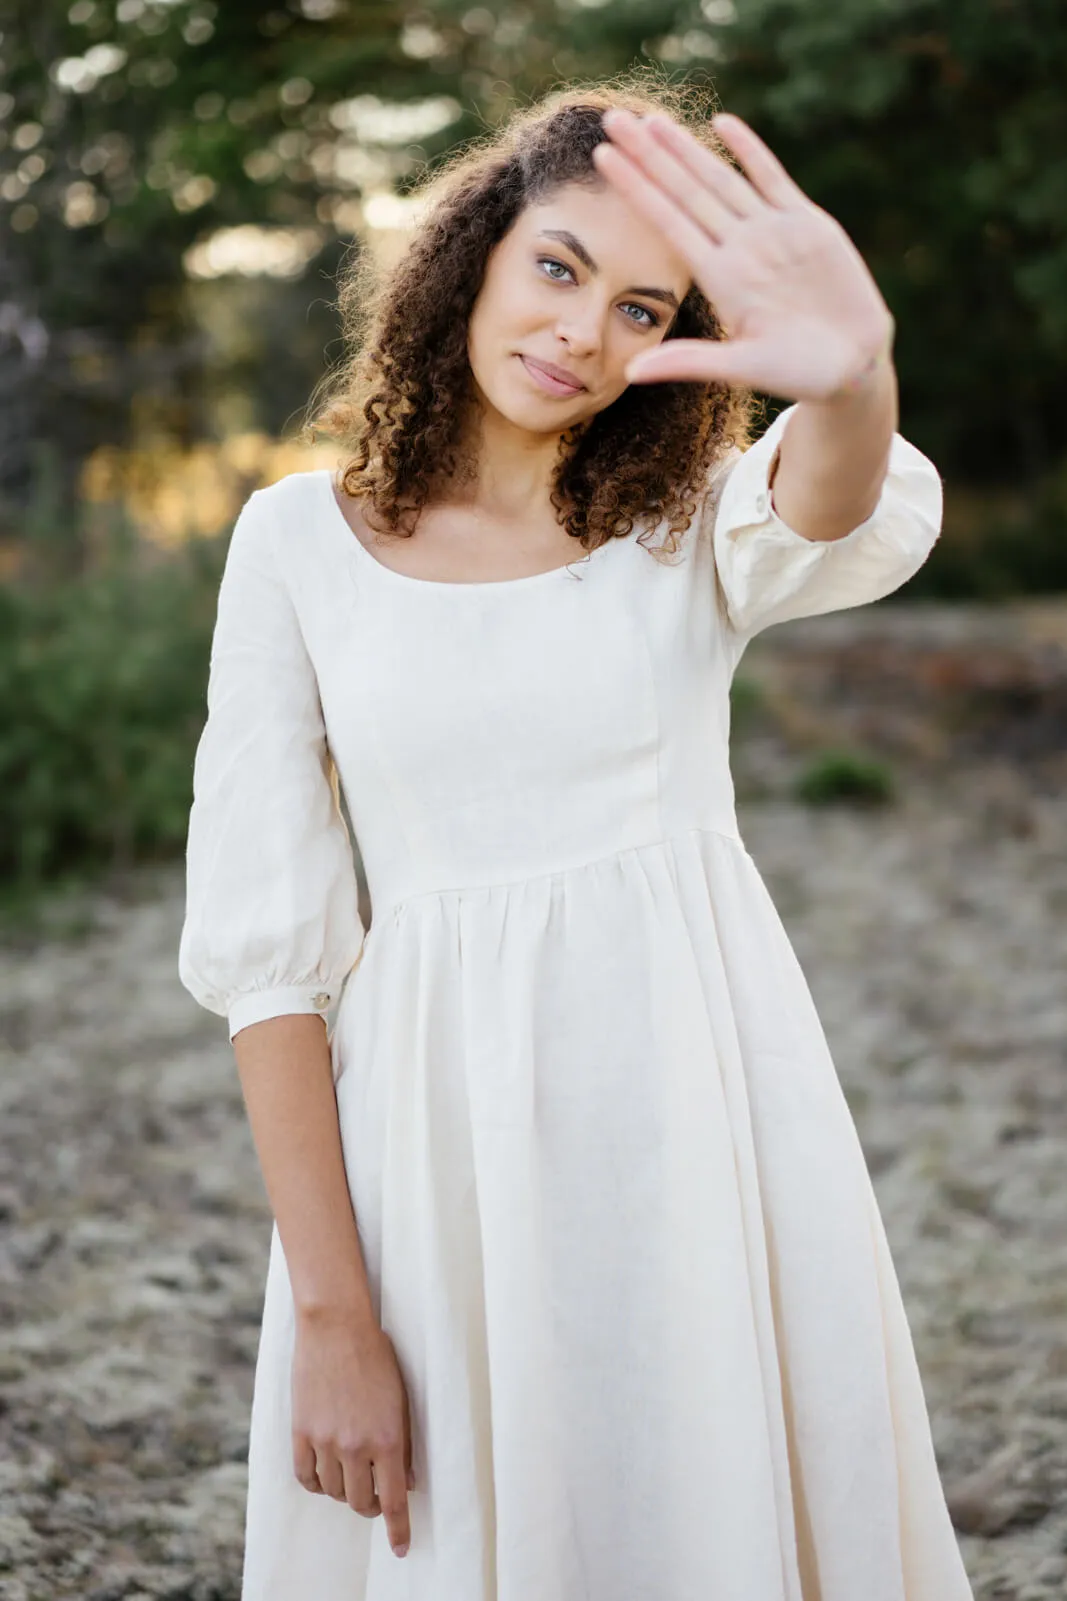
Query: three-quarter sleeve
[768, 573]
[272, 923]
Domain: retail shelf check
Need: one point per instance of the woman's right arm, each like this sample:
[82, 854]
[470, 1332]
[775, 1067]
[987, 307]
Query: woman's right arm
[350, 1410]
[272, 928]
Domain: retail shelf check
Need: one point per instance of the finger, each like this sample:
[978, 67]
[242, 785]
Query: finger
[409, 1469]
[330, 1472]
[759, 161]
[694, 360]
[695, 244]
[359, 1489]
[636, 138]
[304, 1465]
[393, 1495]
[713, 170]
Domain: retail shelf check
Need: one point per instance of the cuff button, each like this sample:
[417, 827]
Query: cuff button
[320, 1001]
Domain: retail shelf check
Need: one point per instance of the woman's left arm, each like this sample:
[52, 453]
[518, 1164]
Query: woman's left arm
[832, 458]
[802, 316]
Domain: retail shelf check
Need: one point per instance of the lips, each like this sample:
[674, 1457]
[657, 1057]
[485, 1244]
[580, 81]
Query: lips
[555, 380]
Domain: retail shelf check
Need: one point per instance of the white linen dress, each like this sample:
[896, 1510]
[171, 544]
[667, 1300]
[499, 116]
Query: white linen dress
[615, 1213]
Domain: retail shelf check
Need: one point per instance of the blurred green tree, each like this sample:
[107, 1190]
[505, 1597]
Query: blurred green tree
[130, 132]
[937, 134]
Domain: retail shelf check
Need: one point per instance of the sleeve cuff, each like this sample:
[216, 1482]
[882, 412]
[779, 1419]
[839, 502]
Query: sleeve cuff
[779, 526]
[747, 501]
[260, 1005]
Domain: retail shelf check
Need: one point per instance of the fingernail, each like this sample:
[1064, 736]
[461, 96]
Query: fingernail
[401, 1550]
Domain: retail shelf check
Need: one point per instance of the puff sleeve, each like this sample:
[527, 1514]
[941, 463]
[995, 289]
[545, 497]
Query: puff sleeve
[767, 573]
[272, 922]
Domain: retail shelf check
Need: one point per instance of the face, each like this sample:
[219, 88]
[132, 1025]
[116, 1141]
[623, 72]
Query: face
[578, 286]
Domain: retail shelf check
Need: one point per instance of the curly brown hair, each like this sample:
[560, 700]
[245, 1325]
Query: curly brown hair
[397, 401]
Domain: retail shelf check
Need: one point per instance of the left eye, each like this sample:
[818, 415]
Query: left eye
[651, 321]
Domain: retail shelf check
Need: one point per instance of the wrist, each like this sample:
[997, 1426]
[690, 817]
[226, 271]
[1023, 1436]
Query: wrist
[335, 1293]
[354, 1310]
[870, 372]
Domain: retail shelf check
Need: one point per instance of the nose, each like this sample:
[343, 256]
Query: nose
[581, 327]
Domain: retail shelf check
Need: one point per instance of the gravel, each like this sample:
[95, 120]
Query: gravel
[134, 1225]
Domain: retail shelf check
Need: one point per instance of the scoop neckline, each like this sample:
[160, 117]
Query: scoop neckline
[441, 583]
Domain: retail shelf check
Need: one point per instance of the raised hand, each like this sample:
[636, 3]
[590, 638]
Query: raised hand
[803, 317]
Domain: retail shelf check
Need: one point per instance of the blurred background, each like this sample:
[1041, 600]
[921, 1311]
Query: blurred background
[179, 182]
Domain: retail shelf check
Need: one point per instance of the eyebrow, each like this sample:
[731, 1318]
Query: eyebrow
[575, 246]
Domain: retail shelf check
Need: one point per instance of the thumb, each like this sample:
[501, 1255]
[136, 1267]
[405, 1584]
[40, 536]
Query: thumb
[695, 361]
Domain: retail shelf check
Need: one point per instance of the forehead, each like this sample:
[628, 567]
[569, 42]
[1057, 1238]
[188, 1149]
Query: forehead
[625, 246]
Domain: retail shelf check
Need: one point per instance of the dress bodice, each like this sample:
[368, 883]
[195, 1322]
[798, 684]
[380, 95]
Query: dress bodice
[484, 733]
[494, 731]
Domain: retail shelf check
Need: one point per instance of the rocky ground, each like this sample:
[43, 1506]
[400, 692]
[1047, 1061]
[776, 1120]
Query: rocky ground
[133, 1223]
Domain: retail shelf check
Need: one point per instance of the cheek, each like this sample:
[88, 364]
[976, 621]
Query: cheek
[514, 302]
[620, 346]
[482, 335]
[490, 340]
[490, 324]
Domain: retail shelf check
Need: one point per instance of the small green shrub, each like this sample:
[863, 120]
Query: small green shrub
[747, 701]
[840, 775]
[102, 699]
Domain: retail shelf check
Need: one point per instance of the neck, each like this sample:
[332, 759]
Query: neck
[512, 468]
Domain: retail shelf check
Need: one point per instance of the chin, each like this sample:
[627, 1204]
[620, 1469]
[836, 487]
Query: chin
[520, 410]
[527, 409]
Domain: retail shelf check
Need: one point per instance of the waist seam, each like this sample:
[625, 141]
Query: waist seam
[553, 873]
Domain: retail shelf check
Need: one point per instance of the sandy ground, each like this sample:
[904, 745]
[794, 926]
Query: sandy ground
[134, 1227]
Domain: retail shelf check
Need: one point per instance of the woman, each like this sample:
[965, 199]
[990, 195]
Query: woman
[578, 1290]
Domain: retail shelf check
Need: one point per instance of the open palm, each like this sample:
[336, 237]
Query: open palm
[797, 303]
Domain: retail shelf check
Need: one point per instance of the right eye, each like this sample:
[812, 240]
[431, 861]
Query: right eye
[548, 262]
